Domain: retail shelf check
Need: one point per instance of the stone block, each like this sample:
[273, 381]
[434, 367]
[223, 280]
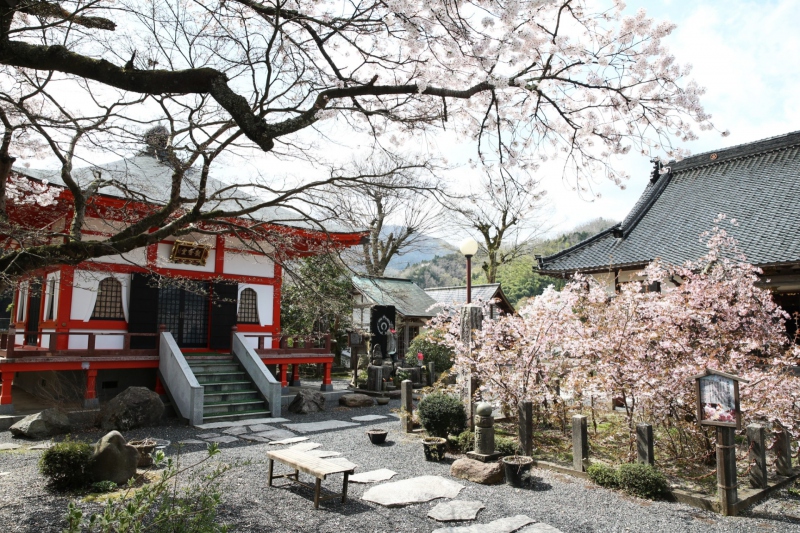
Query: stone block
[478, 472]
[42, 425]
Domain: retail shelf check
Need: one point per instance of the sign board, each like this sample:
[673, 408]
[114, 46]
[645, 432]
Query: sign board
[381, 324]
[189, 253]
[718, 399]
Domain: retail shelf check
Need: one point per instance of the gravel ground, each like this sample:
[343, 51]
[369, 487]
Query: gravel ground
[569, 504]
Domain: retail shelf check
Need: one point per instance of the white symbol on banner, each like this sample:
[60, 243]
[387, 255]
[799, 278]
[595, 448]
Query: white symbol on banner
[384, 325]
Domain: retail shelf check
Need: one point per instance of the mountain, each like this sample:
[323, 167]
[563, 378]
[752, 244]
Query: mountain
[518, 278]
[426, 248]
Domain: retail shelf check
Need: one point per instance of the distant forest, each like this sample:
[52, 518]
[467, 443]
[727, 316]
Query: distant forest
[518, 279]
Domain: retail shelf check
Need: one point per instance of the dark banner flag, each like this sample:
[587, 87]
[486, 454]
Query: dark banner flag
[381, 322]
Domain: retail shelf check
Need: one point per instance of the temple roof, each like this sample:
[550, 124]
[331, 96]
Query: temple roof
[757, 184]
[406, 296]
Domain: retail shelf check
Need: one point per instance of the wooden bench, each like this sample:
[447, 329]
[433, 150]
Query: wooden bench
[308, 464]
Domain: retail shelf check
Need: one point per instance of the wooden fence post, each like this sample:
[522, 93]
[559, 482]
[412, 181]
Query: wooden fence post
[406, 406]
[756, 438]
[644, 444]
[580, 443]
[727, 487]
[526, 427]
[783, 451]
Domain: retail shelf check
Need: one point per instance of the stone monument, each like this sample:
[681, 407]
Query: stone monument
[484, 434]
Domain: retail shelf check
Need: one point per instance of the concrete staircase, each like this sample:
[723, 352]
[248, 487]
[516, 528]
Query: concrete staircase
[228, 391]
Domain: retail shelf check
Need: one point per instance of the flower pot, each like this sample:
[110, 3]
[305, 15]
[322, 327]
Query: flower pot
[517, 469]
[434, 448]
[145, 448]
[377, 436]
[382, 400]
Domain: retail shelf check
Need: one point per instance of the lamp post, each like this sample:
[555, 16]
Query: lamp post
[469, 247]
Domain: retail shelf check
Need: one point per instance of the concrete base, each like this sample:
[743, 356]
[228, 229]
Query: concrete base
[7, 409]
[91, 404]
[326, 388]
[485, 458]
[394, 394]
[295, 383]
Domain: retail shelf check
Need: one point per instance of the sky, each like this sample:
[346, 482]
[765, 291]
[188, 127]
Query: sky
[747, 56]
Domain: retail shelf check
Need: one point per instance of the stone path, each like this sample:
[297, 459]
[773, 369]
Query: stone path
[218, 425]
[373, 476]
[9, 446]
[276, 434]
[414, 490]
[289, 440]
[208, 435]
[456, 510]
[368, 418]
[225, 439]
[262, 427]
[502, 525]
[236, 430]
[191, 441]
[325, 425]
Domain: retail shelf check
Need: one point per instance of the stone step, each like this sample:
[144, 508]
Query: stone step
[205, 367]
[226, 386]
[215, 377]
[231, 407]
[230, 396]
[239, 415]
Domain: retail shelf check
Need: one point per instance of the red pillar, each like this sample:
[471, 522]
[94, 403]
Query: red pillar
[6, 403]
[295, 374]
[326, 379]
[159, 389]
[283, 368]
[90, 397]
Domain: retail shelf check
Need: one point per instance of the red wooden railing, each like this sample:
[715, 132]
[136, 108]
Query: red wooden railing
[9, 349]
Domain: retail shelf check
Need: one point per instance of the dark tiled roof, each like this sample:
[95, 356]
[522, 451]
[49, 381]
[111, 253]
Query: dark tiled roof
[758, 184]
[408, 298]
[458, 295]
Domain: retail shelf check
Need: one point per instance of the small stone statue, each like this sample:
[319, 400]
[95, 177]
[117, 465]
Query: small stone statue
[484, 429]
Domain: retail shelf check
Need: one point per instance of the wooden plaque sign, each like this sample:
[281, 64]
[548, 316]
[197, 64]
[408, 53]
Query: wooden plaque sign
[189, 253]
[718, 399]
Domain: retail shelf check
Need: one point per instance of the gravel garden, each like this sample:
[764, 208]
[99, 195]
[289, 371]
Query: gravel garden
[549, 502]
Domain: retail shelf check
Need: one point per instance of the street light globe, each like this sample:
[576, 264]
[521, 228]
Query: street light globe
[469, 247]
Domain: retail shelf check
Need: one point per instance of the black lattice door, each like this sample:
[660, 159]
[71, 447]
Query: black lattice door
[184, 311]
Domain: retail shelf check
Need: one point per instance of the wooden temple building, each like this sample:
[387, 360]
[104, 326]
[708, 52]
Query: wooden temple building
[757, 184]
[195, 317]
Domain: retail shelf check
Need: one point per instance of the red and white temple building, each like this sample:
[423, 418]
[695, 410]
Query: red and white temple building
[96, 325]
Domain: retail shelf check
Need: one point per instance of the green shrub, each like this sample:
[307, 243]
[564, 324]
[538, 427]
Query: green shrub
[66, 464]
[642, 480]
[184, 499]
[505, 445]
[442, 414]
[604, 475]
[431, 344]
[466, 441]
[104, 486]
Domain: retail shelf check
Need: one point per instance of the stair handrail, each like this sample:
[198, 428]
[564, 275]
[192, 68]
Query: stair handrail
[265, 382]
[184, 389]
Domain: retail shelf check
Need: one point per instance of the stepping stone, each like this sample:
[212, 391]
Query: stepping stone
[456, 510]
[225, 439]
[305, 446]
[539, 527]
[373, 476]
[343, 461]
[4, 474]
[262, 427]
[42, 446]
[276, 434]
[414, 490]
[219, 425]
[502, 525]
[368, 418]
[191, 441]
[9, 446]
[290, 440]
[322, 454]
[236, 430]
[395, 415]
[253, 438]
[208, 435]
[320, 426]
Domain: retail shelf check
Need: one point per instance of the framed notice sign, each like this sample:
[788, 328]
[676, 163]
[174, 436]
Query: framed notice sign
[189, 253]
[718, 399]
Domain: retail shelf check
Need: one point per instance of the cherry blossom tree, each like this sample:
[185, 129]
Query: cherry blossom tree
[644, 346]
[530, 81]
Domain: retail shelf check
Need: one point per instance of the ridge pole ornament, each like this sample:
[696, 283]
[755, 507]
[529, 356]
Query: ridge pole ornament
[718, 399]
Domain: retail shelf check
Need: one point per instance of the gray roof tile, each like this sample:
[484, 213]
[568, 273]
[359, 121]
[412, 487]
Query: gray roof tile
[758, 184]
[407, 297]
